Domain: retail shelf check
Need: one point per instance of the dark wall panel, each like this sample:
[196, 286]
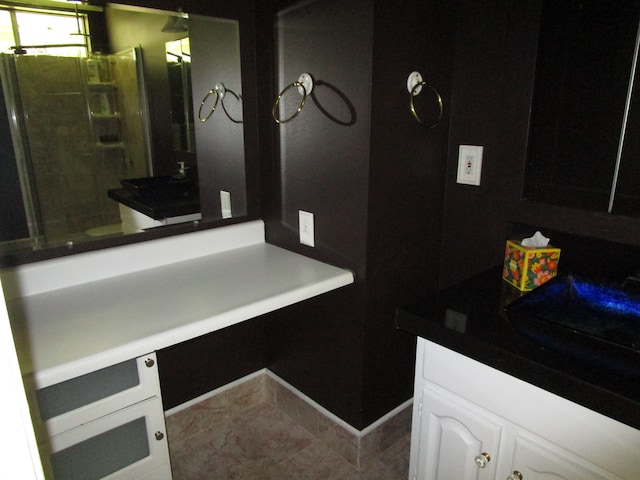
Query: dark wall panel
[406, 187]
[374, 180]
[324, 151]
[215, 47]
[317, 347]
[585, 48]
[193, 368]
[322, 167]
[341, 349]
[495, 53]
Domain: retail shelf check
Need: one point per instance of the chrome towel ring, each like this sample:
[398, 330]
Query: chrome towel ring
[414, 86]
[219, 91]
[305, 87]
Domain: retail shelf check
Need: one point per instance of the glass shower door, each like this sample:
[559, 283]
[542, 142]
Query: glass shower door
[75, 136]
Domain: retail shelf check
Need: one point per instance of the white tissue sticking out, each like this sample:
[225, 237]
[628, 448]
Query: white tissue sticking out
[537, 241]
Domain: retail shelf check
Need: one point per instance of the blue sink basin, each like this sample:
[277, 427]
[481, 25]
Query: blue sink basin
[597, 323]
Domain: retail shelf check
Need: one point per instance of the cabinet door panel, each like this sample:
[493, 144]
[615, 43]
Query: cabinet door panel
[537, 459]
[124, 445]
[452, 433]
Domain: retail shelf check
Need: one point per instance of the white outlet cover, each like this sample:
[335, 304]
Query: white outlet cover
[225, 204]
[305, 225]
[469, 164]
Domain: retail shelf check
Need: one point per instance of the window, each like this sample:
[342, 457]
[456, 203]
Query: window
[43, 32]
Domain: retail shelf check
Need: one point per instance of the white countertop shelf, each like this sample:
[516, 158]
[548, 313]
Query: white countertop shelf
[64, 333]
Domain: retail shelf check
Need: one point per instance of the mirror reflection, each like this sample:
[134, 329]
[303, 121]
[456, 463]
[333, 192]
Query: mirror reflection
[578, 153]
[97, 143]
[178, 52]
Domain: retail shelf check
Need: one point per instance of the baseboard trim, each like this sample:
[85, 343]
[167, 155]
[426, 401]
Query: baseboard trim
[213, 393]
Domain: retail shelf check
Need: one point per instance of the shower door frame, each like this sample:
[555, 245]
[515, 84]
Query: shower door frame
[18, 128]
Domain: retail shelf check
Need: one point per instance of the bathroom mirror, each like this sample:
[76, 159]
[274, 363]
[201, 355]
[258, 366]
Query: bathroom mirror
[585, 115]
[181, 94]
[119, 123]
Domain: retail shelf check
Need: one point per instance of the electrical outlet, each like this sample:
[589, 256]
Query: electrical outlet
[305, 226]
[225, 204]
[469, 164]
[455, 321]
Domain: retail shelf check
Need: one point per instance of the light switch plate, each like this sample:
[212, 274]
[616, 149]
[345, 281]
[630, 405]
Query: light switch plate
[469, 164]
[225, 204]
[306, 228]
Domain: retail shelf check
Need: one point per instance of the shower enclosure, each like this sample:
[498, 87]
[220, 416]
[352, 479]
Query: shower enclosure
[74, 127]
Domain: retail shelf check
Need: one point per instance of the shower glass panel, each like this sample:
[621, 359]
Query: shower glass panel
[75, 138]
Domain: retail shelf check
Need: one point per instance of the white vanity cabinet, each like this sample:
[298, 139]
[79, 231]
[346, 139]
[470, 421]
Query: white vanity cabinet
[471, 421]
[451, 435]
[105, 424]
[536, 459]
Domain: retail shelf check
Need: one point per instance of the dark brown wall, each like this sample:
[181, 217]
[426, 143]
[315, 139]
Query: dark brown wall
[193, 368]
[219, 141]
[317, 346]
[406, 187]
[377, 197]
[492, 83]
[341, 348]
[495, 54]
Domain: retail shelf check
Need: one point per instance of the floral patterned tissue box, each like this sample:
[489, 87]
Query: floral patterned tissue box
[528, 267]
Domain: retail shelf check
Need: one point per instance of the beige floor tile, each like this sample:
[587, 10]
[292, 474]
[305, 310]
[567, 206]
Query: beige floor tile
[262, 443]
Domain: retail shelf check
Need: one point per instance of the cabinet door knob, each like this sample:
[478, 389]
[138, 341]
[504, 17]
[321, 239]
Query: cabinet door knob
[149, 362]
[482, 459]
[516, 475]
[159, 436]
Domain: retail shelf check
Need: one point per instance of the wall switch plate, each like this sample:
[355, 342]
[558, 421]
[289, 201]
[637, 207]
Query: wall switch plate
[469, 164]
[306, 228]
[225, 204]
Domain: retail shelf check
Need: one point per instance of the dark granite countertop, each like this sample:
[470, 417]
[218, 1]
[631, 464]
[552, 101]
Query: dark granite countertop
[469, 318]
[157, 208]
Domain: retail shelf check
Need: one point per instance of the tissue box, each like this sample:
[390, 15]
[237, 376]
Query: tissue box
[528, 267]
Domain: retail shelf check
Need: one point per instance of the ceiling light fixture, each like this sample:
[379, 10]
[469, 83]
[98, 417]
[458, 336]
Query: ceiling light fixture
[176, 23]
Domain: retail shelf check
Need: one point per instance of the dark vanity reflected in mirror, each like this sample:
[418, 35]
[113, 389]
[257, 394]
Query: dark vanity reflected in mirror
[112, 120]
[583, 149]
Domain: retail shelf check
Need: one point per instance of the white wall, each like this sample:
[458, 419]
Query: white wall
[18, 450]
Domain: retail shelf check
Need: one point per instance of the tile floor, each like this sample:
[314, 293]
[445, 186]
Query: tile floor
[263, 443]
[225, 439]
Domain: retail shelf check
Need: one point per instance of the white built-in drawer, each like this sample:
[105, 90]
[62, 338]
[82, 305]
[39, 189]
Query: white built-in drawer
[66, 405]
[128, 444]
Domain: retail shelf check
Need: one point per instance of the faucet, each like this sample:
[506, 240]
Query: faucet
[632, 282]
[182, 170]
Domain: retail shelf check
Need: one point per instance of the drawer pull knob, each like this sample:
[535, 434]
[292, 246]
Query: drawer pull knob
[149, 362]
[516, 475]
[159, 436]
[482, 459]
